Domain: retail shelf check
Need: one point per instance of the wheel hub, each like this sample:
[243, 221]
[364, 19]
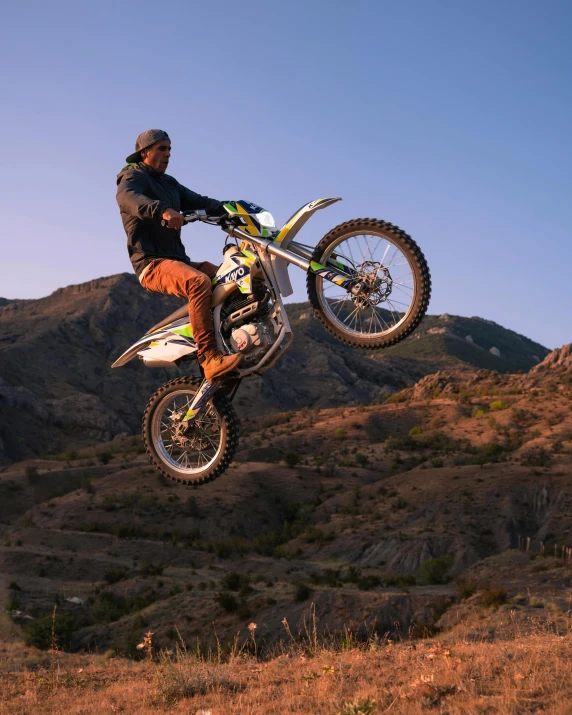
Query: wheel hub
[373, 287]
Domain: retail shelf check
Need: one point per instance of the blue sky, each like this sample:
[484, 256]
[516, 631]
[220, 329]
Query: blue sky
[448, 118]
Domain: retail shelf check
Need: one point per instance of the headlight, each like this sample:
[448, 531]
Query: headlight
[265, 219]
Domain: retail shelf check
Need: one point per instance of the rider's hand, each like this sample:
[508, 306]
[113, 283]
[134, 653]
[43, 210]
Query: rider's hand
[173, 218]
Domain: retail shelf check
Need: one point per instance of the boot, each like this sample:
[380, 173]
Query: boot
[215, 364]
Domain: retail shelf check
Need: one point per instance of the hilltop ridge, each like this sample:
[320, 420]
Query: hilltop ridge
[56, 352]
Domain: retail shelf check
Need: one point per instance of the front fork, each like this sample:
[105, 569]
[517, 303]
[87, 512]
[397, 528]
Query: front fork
[206, 391]
[204, 394]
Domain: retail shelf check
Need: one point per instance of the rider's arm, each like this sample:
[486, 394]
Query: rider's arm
[190, 201]
[133, 201]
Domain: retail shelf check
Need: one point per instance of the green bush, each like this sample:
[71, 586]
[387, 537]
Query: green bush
[38, 633]
[478, 411]
[68, 456]
[105, 457]
[362, 459]
[498, 405]
[415, 430]
[434, 571]
[13, 603]
[339, 433]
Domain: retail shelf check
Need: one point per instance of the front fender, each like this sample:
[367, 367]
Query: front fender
[287, 233]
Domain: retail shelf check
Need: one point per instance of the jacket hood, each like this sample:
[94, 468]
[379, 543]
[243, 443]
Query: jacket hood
[126, 168]
[142, 167]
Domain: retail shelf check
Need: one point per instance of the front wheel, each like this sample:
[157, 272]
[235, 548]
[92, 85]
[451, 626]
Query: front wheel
[392, 279]
[193, 453]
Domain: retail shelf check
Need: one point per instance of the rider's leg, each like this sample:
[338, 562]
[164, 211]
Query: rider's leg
[181, 279]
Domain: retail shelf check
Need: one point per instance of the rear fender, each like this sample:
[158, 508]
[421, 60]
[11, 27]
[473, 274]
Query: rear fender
[163, 347]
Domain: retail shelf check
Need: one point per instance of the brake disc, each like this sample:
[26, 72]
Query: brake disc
[375, 289]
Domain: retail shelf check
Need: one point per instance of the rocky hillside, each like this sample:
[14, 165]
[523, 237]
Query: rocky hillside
[368, 512]
[57, 390]
[453, 340]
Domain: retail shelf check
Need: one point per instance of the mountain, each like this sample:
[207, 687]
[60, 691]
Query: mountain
[455, 340]
[381, 508]
[57, 390]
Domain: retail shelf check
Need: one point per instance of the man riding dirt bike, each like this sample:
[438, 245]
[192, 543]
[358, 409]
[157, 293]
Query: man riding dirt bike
[367, 281]
[150, 202]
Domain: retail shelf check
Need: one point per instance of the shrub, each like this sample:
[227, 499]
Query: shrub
[434, 571]
[465, 589]
[402, 581]
[151, 569]
[31, 473]
[364, 583]
[415, 430]
[494, 596]
[39, 634]
[478, 411]
[437, 463]
[227, 602]
[68, 456]
[376, 432]
[328, 577]
[292, 459]
[302, 593]
[233, 581]
[397, 398]
[498, 405]
[536, 457]
[105, 457]
[340, 433]
[489, 452]
[109, 607]
[13, 603]
[399, 503]
[191, 508]
[359, 706]
[314, 533]
[115, 575]
[362, 459]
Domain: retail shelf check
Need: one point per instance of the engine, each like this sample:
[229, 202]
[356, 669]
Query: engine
[246, 325]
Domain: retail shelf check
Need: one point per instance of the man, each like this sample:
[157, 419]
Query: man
[147, 196]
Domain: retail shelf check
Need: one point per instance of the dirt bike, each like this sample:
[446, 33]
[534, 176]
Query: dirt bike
[368, 284]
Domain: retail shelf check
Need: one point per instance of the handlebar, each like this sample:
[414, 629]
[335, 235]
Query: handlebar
[199, 215]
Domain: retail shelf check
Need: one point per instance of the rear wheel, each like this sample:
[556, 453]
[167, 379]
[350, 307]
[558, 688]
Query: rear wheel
[190, 453]
[393, 278]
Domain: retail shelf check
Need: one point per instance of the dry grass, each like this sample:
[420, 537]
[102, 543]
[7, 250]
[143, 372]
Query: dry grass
[528, 672]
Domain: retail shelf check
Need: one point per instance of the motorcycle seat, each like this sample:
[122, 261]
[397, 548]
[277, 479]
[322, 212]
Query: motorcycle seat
[181, 312]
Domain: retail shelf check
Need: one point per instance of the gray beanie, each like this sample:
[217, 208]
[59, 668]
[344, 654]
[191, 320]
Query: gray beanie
[145, 140]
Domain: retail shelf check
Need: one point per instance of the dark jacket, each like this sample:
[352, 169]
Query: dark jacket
[143, 195]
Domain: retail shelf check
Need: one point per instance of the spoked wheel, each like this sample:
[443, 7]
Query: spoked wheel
[190, 453]
[393, 279]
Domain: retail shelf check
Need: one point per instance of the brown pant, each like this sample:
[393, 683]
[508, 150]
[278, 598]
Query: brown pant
[187, 281]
